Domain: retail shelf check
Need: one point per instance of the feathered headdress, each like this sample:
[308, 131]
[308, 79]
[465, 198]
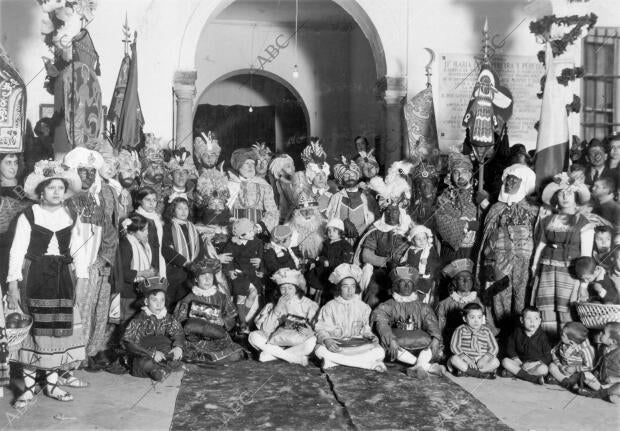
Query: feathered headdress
[206, 144]
[394, 190]
[314, 152]
[399, 169]
[181, 159]
[263, 152]
[128, 161]
[278, 164]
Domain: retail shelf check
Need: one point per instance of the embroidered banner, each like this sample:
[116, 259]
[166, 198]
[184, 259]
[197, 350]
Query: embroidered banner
[12, 106]
[83, 113]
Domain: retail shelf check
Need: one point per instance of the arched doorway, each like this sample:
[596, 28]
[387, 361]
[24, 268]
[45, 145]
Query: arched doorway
[340, 57]
[247, 106]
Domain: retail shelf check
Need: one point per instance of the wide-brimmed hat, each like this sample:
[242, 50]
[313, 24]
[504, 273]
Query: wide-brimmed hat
[51, 169]
[564, 182]
[458, 265]
[289, 276]
[345, 270]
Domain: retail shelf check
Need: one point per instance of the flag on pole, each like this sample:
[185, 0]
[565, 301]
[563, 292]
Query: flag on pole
[421, 126]
[553, 131]
[130, 120]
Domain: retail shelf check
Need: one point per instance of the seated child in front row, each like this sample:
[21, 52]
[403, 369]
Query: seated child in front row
[572, 355]
[207, 315]
[278, 254]
[605, 380]
[154, 339]
[594, 284]
[474, 346]
[528, 352]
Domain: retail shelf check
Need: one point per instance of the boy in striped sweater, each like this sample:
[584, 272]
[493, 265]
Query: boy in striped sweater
[572, 355]
[473, 346]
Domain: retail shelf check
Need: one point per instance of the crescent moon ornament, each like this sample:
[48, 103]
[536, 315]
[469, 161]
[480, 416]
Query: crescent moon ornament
[429, 66]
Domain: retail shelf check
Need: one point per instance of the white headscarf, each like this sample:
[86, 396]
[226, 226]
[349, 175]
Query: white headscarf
[528, 182]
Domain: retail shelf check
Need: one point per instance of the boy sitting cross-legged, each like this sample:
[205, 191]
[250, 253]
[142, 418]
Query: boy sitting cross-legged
[474, 346]
[528, 352]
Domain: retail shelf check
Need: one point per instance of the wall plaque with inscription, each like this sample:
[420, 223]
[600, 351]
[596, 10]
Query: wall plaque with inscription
[457, 75]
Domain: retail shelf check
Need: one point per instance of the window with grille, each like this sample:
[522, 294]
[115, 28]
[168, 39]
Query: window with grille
[600, 95]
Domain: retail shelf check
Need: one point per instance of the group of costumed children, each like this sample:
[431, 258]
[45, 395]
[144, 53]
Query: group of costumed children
[348, 268]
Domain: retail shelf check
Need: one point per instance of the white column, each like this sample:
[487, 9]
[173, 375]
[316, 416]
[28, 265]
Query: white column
[185, 91]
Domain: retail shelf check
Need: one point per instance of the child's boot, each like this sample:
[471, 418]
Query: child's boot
[524, 375]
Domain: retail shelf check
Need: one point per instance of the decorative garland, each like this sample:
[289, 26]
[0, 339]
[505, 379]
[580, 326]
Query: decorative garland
[570, 74]
[542, 28]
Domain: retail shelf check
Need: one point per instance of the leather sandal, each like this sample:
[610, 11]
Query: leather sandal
[21, 402]
[65, 397]
[72, 382]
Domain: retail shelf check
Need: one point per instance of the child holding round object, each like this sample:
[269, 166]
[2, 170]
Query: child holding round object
[343, 326]
[154, 338]
[207, 315]
[572, 355]
[473, 346]
[528, 352]
[285, 330]
[407, 327]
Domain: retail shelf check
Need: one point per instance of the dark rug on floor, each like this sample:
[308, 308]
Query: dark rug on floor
[395, 401]
[252, 395]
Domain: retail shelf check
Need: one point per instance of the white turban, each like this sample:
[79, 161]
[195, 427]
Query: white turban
[528, 183]
[345, 270]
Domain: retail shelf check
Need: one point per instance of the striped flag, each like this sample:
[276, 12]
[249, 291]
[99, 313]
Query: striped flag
[553, 130]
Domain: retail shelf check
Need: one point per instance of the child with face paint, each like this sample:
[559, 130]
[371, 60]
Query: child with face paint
[407, 328]
[462, 292]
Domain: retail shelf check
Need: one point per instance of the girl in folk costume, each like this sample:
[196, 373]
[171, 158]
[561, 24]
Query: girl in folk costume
[136, 262]
[207, 315]
[344, 336]
[251, 197]
[41, 280]
[181, 246]
[423, 256]
[147, 201]
[507, 245]
[285, 330]
[180, 167]
[350, 204]
[564, 236]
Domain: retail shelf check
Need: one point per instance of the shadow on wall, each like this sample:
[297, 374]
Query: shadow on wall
[18, 21]
[503, 16]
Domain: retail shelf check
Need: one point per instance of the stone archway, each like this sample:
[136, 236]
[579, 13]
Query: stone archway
[277, 78]
[185, 77]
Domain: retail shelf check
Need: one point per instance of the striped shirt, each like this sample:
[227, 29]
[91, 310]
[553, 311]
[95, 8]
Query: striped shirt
[579, 356]
[472, 343]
